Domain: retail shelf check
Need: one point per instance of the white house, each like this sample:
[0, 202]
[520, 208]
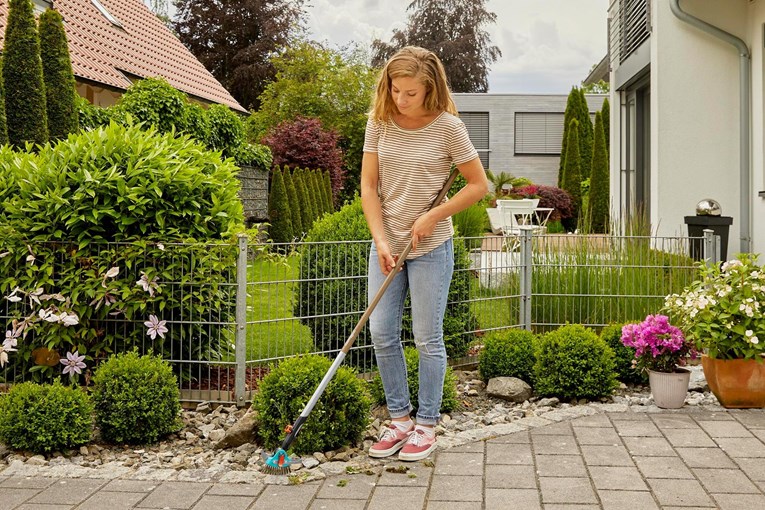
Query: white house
[519, 133]
[687, 112]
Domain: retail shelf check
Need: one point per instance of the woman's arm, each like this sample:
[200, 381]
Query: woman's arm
[476, 188]
[370, 203]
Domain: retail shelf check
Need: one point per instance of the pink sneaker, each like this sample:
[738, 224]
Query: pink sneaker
[418, 446]
[391, 441]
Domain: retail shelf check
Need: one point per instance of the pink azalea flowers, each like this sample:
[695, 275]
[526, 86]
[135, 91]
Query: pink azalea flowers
[658, 345]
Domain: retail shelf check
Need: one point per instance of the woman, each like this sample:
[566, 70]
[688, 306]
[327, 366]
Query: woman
[412, 139]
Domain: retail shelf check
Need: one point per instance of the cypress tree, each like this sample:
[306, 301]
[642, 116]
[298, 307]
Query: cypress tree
[325, 192]
[22, 74]
[306, 219]
[585, 135]
[289, 184]
[278, 209]
[599, 181]
[570, 113]
[3, 124]
[572, 178]
[60, 89]
[313, 193]
[328, 189]
[605, 111]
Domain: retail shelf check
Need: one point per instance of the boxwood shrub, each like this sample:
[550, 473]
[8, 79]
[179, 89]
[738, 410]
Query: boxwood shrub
[136, 399]
[339, 418]
[333, 277]
[45, 417]
[412, 356]
[508, 353]
[573, 362]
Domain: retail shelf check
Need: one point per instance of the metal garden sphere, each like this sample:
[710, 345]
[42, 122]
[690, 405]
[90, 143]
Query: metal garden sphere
[708, 207]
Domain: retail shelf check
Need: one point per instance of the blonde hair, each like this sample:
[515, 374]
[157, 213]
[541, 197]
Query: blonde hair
[419, 63]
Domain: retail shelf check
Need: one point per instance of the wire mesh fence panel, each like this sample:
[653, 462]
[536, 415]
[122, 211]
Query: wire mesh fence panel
[172, 300]
[599, 280]
[179, 301]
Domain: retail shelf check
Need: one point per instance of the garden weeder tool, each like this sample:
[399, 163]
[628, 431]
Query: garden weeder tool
[279, 463]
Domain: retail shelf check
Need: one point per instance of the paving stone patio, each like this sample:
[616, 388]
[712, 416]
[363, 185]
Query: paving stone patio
[611, 460]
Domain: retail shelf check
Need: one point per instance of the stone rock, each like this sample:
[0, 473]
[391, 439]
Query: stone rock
[509, 388]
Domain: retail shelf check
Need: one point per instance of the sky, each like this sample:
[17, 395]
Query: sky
[547, 45]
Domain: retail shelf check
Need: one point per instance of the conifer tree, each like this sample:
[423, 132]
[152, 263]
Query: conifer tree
[23, 79]
[599, 181]
[328, 190]
[572, 178]
[570, 113]
[313, 192]
[605, 111]
[306, 217]
[326, 193]
[585, 135]
[289, 184]
[3, 124]
[278, 209]
[59, 81]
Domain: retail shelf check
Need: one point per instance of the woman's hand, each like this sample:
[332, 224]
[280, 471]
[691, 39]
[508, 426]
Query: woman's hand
[385, 258]
[423, 227]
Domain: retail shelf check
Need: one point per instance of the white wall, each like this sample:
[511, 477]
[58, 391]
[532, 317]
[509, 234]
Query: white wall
[755, 38]
[695, 114]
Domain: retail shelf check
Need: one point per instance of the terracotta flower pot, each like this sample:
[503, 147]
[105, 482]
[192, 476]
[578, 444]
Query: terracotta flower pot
[669, 389]
[737, 383]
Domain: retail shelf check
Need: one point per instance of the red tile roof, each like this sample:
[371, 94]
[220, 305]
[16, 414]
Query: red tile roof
[143, 46]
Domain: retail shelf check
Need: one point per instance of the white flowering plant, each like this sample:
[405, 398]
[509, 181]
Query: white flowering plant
[723, 311]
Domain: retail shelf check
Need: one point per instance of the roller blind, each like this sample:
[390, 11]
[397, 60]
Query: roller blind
[538, 132]
[477, 124]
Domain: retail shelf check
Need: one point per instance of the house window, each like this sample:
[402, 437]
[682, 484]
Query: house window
[41, 6]
[477, 124]
[538, 133]
[105, 12]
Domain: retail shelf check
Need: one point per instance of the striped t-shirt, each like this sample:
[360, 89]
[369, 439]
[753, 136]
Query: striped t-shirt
[414, 165]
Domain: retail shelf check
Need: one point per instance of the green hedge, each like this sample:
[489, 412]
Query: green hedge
[573, 362]
[339, 418]
[45, 418]
[333, 277]
[145, 191]
[508, 353]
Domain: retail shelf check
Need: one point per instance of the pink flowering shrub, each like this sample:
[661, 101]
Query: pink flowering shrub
[658, 345]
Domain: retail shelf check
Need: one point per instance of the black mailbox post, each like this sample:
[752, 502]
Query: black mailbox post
[696, 226]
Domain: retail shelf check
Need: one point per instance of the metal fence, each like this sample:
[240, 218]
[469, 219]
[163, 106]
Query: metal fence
[231, 310]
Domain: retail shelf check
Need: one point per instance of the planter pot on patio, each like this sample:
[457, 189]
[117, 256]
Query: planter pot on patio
[737, 383]
[669, 389]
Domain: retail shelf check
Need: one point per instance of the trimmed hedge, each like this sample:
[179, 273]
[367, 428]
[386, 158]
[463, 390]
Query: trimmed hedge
[508, 353]
[572, 363]
[136, 399]
[44, 418]
[339, 418]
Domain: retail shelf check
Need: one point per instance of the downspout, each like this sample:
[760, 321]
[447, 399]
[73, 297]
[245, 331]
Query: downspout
[744, 93]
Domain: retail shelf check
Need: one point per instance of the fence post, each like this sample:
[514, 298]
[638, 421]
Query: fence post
[241, 321]
[526, 268]
[711, 247]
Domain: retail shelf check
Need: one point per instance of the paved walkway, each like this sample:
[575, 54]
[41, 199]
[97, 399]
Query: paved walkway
[626, 460]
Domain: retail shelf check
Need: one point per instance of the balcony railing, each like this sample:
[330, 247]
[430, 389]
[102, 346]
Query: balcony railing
[629, 26]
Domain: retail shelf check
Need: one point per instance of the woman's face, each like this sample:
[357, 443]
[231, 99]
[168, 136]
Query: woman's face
[409, 95]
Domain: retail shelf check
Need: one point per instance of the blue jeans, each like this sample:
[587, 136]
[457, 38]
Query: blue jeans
[427, 278]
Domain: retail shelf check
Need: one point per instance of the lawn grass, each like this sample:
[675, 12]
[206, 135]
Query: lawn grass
[272, 330]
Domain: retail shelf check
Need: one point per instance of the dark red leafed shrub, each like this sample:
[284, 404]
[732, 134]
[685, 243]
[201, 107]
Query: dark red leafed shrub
[304, 143]
[549, 196]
